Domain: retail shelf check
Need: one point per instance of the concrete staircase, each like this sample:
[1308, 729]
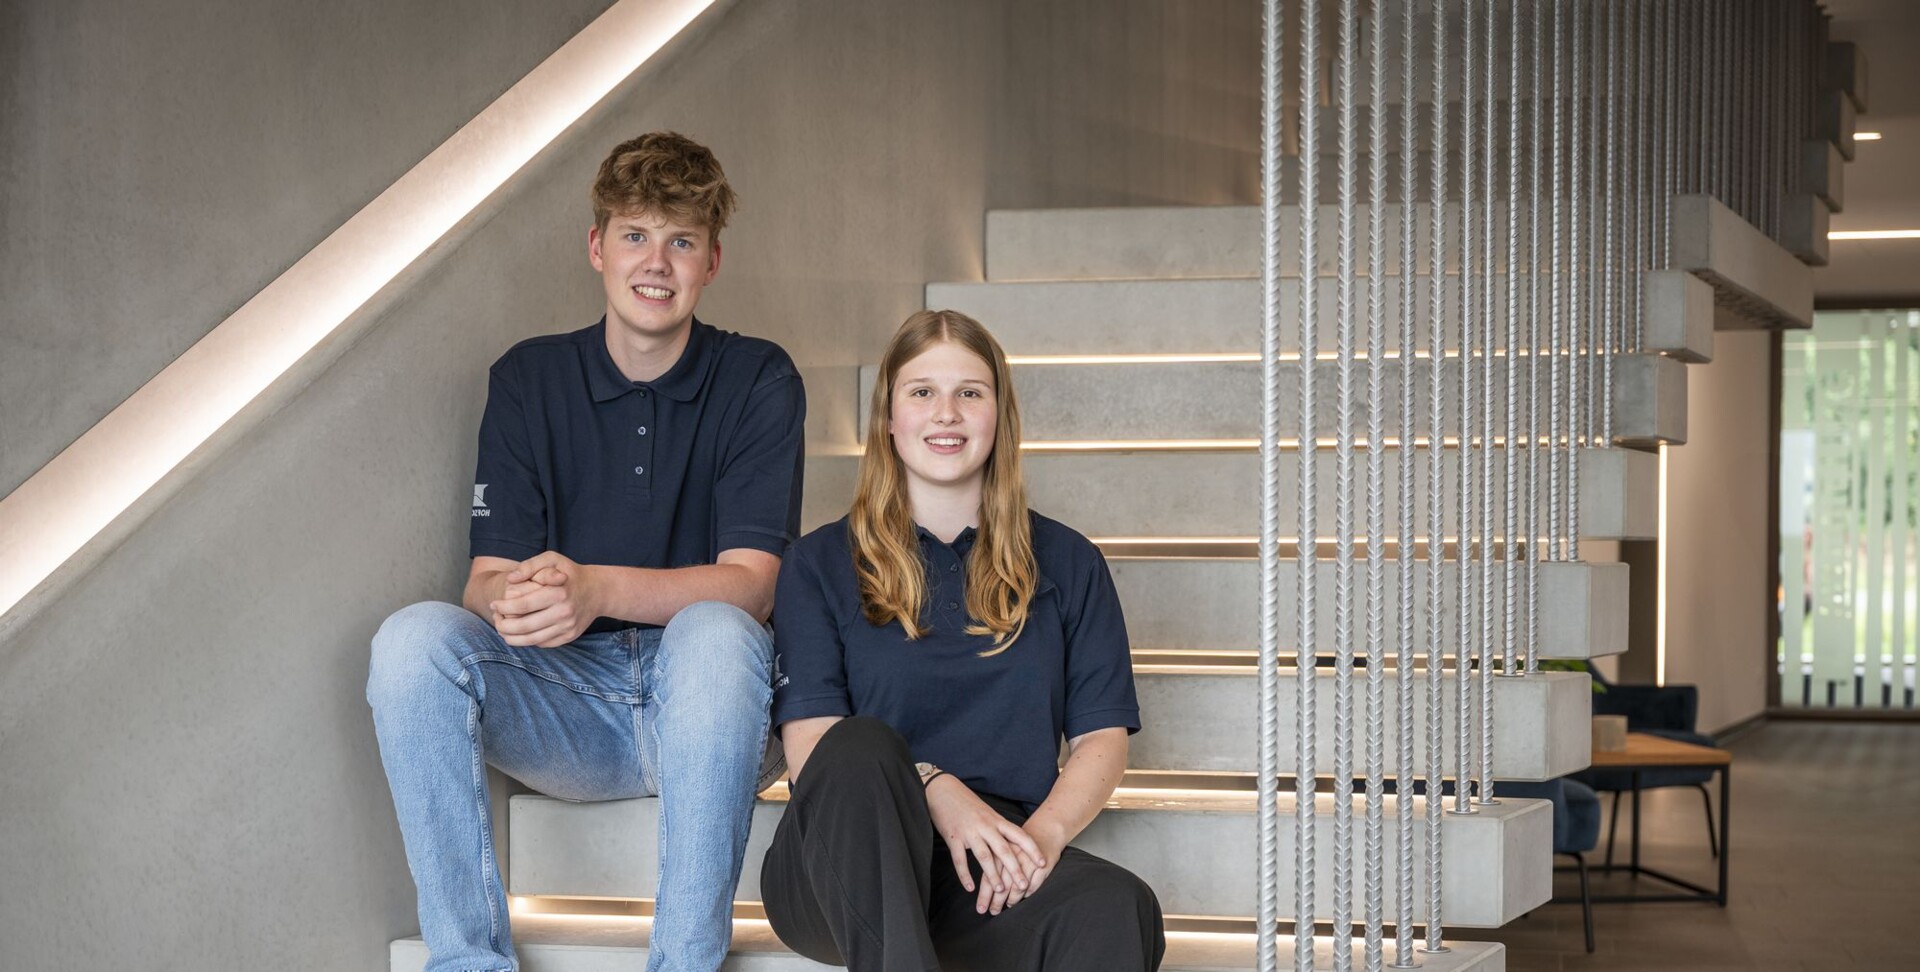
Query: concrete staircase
[1134, 334]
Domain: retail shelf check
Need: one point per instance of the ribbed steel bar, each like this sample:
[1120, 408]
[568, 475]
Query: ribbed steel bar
[1558, 283]
[1640, 28]
[1580, 291]
[1510, 505]
[1436, 472]
[1611, 225]
[1666, 144]
[1266, 951]
[1305, 765]
[1536, 149]
[1488, 328]
[1345, 274]
[1376, 723]
[1403, 563]
[1469, 321]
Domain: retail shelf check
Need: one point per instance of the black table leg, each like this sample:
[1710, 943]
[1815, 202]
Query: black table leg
[1726, 847]
[1635, 870]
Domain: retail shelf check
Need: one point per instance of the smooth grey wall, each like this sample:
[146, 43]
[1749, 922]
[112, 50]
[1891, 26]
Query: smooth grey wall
[1717, 530]
[189, 767]
[161, 162]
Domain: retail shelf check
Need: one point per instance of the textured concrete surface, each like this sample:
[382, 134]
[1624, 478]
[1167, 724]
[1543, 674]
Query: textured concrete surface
[185, 728]
[1190, 845]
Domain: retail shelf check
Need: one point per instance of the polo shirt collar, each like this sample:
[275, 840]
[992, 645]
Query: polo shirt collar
[962, 543]
[681, 382]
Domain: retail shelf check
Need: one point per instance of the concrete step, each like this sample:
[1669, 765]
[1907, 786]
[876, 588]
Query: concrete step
[1222, 316]
[1206, 719]
[1213, 605]
[1192, 846]
[1221, 400]
[1131, 494]
[618, 943]
[1757, 283]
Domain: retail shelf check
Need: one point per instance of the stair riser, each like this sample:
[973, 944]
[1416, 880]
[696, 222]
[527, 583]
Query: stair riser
[1223, 400]
[1542, 723]
[1198, 862]
[1213, 604]
[1223, 316]
[1216, 493]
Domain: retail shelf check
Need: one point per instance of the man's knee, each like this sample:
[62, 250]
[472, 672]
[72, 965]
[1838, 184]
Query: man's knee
[714, 647]
[415, 645]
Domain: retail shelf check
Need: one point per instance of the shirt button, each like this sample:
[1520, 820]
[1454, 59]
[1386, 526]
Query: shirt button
[643, 393]
[639, 470]
[643, 430]
[953, 568]
[953, 605]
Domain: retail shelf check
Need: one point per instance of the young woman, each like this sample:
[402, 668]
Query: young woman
[934, 648]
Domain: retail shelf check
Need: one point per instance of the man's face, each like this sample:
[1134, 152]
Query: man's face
[653, 271]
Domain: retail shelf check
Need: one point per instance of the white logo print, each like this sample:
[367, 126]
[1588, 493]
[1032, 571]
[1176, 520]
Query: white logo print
[480, 500]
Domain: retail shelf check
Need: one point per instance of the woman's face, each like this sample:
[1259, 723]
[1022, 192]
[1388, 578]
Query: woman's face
[943, 415]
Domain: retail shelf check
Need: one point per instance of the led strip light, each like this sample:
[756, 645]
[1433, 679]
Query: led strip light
[72, 500]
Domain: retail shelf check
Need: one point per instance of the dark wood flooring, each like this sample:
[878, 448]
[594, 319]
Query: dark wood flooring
[1825, 867]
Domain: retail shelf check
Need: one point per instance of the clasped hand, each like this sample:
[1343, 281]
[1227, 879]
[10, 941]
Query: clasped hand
[1014, 859]
[549, 602]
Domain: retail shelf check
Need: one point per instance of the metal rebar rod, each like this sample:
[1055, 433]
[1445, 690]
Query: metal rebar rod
[1488, 329]
[1641, 30]
[1510, 506]
[1611, 229]
[1345, 277]
[1557, 312]
[1405, 607]
[1436, 474]
[1305, 765]
[1469, 318]
[1376, 724]
[1266, 950]
[1536, 149]
[1580, 296]
[1666, 145]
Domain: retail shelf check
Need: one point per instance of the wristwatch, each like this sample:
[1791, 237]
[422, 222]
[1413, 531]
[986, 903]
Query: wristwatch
[927, 772]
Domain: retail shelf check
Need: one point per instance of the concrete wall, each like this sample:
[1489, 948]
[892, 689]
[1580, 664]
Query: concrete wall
[1717, 529]
[189, 768]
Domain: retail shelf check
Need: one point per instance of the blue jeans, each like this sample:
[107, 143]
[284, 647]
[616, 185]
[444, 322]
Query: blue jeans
[679, 712]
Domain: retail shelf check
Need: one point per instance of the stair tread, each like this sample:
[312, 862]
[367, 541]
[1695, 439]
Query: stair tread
[566, 943]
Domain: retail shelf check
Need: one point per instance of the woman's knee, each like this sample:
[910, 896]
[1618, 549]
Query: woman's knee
[857, 745]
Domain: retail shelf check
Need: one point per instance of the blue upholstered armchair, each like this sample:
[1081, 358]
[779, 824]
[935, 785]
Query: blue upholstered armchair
[1658, 710]
[1576, 828]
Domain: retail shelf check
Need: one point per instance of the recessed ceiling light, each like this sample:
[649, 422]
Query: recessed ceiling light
[1899, 234]
[1866, 136]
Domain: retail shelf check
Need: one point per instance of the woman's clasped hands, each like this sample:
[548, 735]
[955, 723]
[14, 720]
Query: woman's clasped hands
[1014, 860]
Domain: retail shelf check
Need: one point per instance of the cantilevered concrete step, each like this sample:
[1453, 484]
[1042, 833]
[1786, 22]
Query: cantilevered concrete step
[1206, 718]
[1757, 283]
[1213, 604]
[1222, 316]
[1133, 494]
[601, 943]
[1191, 846]
[1221, 400]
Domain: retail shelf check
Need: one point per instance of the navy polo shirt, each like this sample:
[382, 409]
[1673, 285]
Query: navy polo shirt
[666, 473]
[994, 722]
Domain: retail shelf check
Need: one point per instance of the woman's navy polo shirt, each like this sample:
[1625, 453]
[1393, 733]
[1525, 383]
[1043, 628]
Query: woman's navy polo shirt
[575, 457]
[994, 722]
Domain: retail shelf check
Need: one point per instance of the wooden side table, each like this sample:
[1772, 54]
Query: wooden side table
[1645, 752]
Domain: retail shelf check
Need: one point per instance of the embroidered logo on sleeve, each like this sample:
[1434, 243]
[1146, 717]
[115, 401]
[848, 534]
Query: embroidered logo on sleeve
[480, 500]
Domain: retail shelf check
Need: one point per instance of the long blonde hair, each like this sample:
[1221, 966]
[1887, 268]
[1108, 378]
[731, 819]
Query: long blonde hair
[1001, 573]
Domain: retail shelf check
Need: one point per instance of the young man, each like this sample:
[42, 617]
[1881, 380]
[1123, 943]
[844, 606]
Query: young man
[638, 482]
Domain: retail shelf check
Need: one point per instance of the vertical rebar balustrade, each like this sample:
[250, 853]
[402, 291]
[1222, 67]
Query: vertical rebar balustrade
[1515, 163]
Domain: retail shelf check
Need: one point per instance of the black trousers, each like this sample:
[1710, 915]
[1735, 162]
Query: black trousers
[857, 876]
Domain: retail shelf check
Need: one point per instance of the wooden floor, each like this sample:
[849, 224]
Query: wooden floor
[1825, 867]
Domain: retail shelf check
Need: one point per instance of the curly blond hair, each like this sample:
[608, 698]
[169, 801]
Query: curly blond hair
[665, 174]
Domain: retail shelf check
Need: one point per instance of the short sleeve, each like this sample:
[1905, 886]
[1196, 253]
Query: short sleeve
[1099, 657]
[509, 506]
[756, 497]
[809, 657]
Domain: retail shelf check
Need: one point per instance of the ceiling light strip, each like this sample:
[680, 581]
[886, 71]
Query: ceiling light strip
[71, 500]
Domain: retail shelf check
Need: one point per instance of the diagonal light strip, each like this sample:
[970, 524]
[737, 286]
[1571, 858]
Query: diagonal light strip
[57, 511]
